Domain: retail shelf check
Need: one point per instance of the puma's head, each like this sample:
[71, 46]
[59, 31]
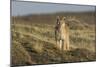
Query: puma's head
[60, 21]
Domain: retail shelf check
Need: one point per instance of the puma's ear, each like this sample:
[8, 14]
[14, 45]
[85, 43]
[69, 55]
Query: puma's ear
[58, 18]
[64, 18]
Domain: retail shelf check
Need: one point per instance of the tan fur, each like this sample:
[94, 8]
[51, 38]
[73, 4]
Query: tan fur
[62, 34]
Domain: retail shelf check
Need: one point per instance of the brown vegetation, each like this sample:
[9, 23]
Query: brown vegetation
[33, 39]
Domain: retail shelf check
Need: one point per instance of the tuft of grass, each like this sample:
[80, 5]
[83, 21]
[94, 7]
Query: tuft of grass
[20, 55]
[38, 47]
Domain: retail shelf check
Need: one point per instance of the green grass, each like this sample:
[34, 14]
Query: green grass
[35, 43]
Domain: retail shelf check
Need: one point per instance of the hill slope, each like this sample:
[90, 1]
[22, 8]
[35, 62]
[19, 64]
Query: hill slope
[34, 43]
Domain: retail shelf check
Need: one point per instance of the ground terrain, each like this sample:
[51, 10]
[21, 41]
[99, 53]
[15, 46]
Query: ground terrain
[33, 39]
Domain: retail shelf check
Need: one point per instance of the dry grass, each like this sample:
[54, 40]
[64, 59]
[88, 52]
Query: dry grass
[34, 42]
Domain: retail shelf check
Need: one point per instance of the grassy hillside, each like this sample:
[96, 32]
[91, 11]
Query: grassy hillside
[85, 17]
[33, 39]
